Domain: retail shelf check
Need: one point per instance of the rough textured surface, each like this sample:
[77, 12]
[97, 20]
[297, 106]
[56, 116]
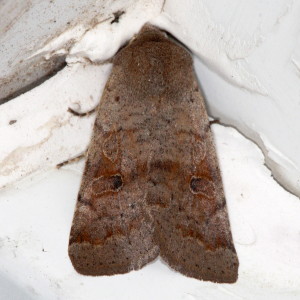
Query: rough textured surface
[152, 184]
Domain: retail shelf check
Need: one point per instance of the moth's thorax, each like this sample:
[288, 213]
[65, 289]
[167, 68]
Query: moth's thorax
[154, 67]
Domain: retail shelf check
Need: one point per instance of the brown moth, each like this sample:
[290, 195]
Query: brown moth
[152, 183]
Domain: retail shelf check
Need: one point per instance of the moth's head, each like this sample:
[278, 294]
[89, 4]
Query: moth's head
[149, 33]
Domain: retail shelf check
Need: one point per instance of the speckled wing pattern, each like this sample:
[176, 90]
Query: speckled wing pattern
[152, 183]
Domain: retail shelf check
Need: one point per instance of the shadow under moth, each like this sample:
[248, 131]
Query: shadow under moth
[152, 184]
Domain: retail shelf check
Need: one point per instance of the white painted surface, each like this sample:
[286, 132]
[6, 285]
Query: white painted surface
[45, 133]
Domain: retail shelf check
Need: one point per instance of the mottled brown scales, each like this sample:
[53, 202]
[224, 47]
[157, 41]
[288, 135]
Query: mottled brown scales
[152, 183]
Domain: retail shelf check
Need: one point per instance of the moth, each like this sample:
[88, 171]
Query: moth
[152, 184]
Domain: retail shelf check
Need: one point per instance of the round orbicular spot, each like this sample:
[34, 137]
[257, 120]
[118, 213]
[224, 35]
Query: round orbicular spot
[107, 184]
[203, 186]
[199, 151]
[111, 147]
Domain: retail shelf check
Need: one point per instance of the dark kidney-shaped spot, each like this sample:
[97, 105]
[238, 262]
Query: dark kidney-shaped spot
[107, 184]
[117, 181]
[204, 186]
